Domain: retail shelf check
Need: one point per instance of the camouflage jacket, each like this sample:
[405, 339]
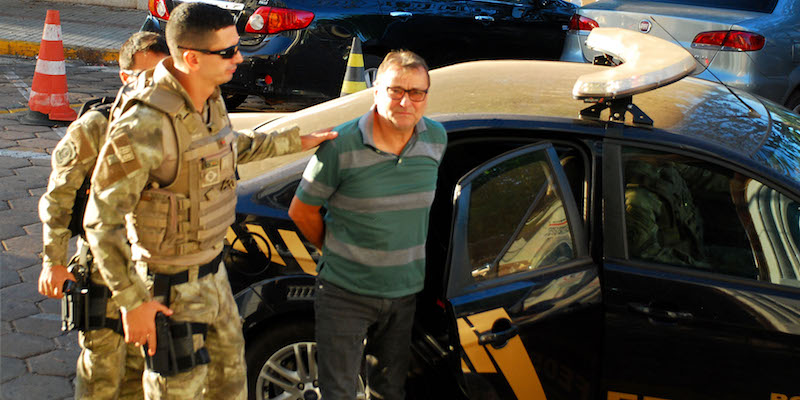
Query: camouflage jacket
[73, 160]
[123, 172]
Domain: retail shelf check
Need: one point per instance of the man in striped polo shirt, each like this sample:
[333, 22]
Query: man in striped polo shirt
[377, 181]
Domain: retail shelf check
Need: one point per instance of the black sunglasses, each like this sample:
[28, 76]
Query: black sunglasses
[224, 53]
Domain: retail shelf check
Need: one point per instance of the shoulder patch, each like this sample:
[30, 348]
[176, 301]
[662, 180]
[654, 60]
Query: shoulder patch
[65, 153]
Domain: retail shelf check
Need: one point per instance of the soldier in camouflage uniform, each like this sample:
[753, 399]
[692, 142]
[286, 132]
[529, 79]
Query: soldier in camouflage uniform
[165, 180]
[662, 219]
[107, 367]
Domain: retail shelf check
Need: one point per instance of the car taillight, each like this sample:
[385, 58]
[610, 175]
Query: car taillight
[580, 23]
[274, 20]
[158, 8]
[729, 40]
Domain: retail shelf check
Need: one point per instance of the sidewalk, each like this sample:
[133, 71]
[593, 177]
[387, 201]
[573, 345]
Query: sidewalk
[91, 33]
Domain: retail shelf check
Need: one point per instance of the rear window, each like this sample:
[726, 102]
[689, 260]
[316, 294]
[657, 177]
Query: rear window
[763, 6]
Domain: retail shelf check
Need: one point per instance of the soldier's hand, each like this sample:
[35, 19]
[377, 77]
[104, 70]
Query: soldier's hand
[315, 138]
[51, 281]
[140, 326]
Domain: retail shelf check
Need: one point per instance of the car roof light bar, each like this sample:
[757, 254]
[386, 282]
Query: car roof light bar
[649, 63]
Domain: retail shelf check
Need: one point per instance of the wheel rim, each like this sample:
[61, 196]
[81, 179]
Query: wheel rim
[291, 373]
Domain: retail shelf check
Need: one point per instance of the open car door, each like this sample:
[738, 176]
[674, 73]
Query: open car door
[523, 293]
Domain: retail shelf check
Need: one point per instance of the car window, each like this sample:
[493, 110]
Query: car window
[688, 212]
[745, 5]
[516, 219]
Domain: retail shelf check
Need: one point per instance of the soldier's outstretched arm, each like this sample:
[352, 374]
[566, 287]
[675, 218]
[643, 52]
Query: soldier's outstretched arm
[133, 149]
[254, 146]
[73, 160]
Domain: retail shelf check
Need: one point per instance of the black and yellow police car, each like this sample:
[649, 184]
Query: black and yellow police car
[615, 231]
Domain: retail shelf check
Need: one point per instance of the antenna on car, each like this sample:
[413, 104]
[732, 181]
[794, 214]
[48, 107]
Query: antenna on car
[752, 112]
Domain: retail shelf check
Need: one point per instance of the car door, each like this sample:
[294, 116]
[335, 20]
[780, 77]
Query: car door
[700, 280]
[441, 31]
[523, 293]
[520, 29]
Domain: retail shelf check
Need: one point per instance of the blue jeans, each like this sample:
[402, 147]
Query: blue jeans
[343, 320]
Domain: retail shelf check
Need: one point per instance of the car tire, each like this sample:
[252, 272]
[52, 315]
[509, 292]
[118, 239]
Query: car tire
[233, 100]
[290, 346]
[793, 103]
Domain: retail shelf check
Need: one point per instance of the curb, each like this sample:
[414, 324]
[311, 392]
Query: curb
[85, 54]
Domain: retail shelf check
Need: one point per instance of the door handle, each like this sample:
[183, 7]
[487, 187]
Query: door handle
[401, 14]
[659, 314]
[499, 337]
[484, 18]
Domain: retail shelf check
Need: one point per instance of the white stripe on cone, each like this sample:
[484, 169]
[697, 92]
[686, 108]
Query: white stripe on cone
[50, 67]
[51, 32]
[49, 100]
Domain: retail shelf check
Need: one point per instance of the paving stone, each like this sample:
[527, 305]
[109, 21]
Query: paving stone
[25, 204]
[5, 143]
[5, 327]
[39, 142]
[34, 229]
[8, 278]
[50, 135]
[19, 345]
[38, 192]
[11, 368]
[44, 325]
[14, 261]
[25, 291]
[24, 243]
[11, 310]
[30, 386]
[15, 132]
[43, 162]
[57, 363]
[50, 306]
[27, 129]
[30, 274]
[4, 205]
[68, 342]
[13, 163]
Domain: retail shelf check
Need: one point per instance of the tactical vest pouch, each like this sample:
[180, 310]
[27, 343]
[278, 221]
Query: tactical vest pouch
[175, 347]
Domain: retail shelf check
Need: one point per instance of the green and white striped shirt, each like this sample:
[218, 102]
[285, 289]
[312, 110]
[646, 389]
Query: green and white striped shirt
[378, 205]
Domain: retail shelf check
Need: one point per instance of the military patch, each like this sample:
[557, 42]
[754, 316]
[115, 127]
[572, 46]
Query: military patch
[65, 153]
[125, 154]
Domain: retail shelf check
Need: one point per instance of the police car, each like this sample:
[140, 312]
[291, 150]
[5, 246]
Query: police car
[599, 232]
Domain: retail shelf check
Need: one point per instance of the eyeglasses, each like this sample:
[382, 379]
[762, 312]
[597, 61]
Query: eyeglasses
[397, 93]
[224, 53]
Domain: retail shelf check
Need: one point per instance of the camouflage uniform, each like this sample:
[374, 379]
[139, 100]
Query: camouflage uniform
[107, 367]
[662, 220]
[165, 178]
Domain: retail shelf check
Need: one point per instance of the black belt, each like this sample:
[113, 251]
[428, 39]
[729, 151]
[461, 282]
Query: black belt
[163, 282]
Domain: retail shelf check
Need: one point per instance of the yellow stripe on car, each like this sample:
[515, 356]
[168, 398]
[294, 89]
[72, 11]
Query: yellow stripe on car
[264, 245]
[299, 251]
[512, 359]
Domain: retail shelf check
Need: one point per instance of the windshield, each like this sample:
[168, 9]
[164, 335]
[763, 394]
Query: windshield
[763, 6]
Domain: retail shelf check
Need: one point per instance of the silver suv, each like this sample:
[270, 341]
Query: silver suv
[750, 45]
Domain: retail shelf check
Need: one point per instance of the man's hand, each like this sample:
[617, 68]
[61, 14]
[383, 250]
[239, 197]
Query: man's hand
[315, 138]
[140, 324]
[51, 281]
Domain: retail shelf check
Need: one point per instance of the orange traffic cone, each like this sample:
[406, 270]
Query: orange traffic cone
[49, 88]
[354, 74]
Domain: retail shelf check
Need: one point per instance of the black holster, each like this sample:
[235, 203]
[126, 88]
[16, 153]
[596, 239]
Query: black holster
[175, 347]
[83, 306]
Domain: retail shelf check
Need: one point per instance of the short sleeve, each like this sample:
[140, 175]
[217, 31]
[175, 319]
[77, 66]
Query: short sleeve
[321, 176]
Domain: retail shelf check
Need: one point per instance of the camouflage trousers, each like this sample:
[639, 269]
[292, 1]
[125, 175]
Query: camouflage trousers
[107, 367]
[207, 300]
